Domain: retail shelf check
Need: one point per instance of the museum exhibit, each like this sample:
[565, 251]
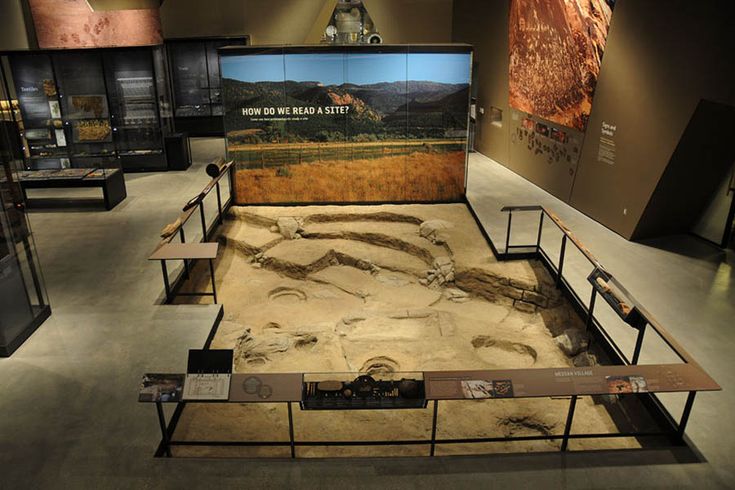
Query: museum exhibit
[367, 243]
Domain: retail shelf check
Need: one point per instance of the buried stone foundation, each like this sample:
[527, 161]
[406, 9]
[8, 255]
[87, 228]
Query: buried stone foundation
[385, 289]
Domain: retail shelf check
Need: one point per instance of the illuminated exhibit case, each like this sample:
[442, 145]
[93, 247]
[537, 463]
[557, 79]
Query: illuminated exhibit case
[347, 124]
[103, 108]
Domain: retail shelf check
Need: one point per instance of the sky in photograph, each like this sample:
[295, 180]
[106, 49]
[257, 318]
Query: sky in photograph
[357, 68]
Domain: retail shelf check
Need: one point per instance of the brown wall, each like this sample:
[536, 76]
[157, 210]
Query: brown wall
[485, 25]
[662, 58]
[303, 21]
[13, 33]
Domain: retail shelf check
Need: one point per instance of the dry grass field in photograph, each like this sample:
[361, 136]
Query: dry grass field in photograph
[416, 176]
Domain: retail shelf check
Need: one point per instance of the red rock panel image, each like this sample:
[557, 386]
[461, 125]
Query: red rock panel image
[556, 49]
[73, 24]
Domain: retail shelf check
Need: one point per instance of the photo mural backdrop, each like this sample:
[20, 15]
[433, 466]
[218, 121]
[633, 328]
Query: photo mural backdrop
[359, 124]
[556, 48]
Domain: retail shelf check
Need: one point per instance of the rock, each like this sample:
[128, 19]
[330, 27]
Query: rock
[439, 262]
[511, 292]
[257, 265]
[520, 284]
[434, 230]
[415, 313]
[423, 282]
[572, 341]
[288, 227]
[353, 318]
[450, 277]
[535, 298]
[274, 229]
[456, 295]
[584, 359]
[171, 228]
[524, 307]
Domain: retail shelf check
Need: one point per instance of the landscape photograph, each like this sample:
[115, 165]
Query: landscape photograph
[363, 127]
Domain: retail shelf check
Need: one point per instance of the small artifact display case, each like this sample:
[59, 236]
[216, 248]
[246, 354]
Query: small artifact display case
[364, 391]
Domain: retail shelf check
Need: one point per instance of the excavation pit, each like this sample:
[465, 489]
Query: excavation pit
[385, 289]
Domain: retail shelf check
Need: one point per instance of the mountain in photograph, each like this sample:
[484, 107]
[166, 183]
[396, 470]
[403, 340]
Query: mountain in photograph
[384, 110]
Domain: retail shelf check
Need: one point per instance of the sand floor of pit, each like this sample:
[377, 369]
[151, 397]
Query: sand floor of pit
[349, 294]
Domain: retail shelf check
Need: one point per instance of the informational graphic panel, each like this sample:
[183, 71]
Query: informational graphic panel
[556, 49]
[336, 124]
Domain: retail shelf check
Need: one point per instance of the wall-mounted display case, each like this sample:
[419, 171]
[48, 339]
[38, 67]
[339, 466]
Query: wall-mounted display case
[196, 83]
[92, 109]
[23, 301]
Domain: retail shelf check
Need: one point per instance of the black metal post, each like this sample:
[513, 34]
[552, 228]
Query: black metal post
[433, 428]
[165, 281]
[214, 287]
[540, 228]
[638, 344]
[591, 310]
[204, 221]
[568, 426]
[507, 236]
[164, 433]
[561, 260]
[186, 262]
[219, 204]
[290, 431]
[685, 416]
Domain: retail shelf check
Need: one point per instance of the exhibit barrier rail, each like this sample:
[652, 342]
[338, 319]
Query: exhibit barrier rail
[210, 205]
[613, 326]
[684, 375]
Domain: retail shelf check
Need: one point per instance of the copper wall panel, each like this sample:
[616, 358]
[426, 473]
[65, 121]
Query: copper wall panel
[73, 24]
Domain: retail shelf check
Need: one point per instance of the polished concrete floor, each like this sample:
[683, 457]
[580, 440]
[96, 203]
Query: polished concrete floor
[68, 411]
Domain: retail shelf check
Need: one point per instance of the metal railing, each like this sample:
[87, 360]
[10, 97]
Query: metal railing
[210, 207]
[604, 285]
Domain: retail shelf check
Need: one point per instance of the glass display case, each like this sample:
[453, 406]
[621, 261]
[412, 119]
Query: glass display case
[359, 391]
[23, 301]
[94, 109]
[195, 77]
[86, 115]
[136, 127]
[41, 127]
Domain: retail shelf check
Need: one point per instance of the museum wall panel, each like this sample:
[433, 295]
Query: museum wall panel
[521, 136]
[303, 21]
[655, 71]
[347, 124]
[660, 60]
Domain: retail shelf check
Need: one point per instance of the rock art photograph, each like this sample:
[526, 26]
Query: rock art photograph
[556, 49]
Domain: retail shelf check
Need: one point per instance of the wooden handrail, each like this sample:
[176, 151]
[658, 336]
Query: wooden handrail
[185, 215]
[655, 324]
